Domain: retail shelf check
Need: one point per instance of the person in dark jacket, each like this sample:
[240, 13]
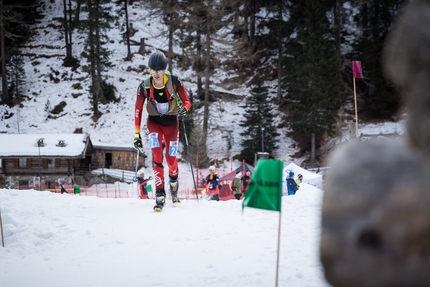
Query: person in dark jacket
[245, 181]
[212, 184]
[291, 183]
[141, 183]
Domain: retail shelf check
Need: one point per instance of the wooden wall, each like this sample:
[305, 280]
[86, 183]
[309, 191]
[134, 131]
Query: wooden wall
[116, 159]
[99, 158]
[36, 166]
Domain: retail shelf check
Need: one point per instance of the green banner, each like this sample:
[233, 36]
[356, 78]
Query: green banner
[265, 187]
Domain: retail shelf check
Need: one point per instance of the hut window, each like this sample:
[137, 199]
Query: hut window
[22, 162]
[51, 162]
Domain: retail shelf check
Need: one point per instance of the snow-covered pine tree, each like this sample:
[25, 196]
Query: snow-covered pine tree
[97, 54]
[47, 108]
[198, 147]
[376, 20]
[258, 114]
[313, 80]
[17, 75]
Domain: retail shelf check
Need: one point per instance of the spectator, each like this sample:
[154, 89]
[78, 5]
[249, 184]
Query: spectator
[236, 186]
[299, 180]
[141, 183]
[291, 184]
[212, 184]
[245, 181]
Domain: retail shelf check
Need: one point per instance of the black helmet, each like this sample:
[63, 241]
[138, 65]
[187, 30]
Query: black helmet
[157, 61]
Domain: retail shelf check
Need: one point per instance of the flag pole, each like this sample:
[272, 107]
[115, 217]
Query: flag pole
[1, 227]
[356, 113]
[261, 195]
[279, 247]
[356, 73]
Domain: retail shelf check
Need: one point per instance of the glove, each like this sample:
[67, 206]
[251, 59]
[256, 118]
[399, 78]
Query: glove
[182, 111]
[138, 142]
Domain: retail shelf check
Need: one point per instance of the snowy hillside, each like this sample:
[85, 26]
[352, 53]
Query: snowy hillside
[48, 84]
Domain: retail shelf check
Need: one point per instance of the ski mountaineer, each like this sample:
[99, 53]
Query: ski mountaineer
[166, 98]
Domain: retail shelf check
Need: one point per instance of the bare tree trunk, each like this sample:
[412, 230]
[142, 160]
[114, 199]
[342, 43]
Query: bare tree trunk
[207, 74]
[246, 24]
[337, 25]
[279, 92]
[313, 148]
[170, 52]
[66, 31]
[252, 24]
[199, 87]
[70, 27]
[142, 46]
[199, 71]
[171, 23]
[77, 13]
[3, 54]
[127, 32]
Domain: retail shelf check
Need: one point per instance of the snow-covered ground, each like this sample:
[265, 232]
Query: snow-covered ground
[68, 240]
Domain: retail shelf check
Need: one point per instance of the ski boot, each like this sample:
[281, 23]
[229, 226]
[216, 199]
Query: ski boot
[174, 186]
[160, 198]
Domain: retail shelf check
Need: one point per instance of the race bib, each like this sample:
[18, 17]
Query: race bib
[153, 140]
[173, 148]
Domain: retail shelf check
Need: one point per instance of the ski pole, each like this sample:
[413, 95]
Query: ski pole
[189, 157]
[137, 163]
[135, 173]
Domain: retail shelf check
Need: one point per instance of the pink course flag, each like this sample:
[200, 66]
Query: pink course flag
[356, 69]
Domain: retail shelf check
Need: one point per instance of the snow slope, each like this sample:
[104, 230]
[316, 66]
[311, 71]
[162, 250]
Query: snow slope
[68, 240]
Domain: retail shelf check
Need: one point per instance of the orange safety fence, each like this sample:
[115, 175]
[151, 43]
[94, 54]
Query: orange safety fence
[127, 190]
[115, 191]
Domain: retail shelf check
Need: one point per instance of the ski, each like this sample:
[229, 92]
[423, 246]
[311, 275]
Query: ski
[159, 204]
[176, 200]
[160, 199]
[160, 196]
[158, 208]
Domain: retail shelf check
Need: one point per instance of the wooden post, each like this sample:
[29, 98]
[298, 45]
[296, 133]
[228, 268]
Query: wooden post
[142, 46]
